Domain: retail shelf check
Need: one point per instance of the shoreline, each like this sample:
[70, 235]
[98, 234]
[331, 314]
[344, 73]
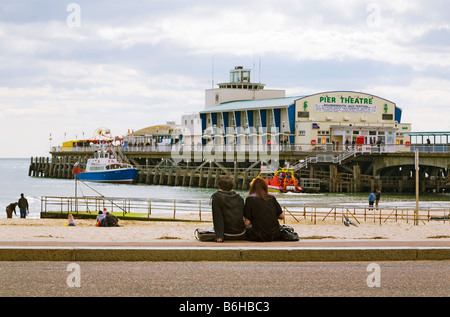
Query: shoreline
[31, 229]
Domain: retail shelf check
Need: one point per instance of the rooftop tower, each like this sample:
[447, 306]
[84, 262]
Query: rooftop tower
[239, 88]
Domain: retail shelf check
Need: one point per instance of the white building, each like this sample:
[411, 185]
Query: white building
[241, 112]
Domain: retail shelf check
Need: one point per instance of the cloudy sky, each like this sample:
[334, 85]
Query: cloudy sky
[68, 68]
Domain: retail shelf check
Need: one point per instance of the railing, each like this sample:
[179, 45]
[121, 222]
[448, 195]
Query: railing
[361, 213]
[366, 148]
[326, 158]
[181, 209]
[200, 210]
[432, 148]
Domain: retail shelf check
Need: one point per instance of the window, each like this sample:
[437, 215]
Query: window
[323, 141]
[245, 76]
[303, 114]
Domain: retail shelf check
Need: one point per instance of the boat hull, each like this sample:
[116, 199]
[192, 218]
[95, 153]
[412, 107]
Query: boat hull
[121, 176]
[274, 189]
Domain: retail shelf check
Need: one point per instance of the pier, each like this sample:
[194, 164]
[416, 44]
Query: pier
[325, 170]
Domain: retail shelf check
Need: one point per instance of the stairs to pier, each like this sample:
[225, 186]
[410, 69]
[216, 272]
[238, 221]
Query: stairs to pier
[326, 158]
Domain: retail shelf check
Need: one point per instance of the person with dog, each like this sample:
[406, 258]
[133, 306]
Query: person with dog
[23, 206]
[10, 209]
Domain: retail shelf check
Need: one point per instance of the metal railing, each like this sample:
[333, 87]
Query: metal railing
[304, 147]
[182, 209]
[364, 213]
[200, 210]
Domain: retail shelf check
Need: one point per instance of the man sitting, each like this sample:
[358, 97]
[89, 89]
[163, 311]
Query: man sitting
[228, 212]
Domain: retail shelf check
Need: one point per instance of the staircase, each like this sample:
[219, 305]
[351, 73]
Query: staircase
[325, 158]
[118, 154]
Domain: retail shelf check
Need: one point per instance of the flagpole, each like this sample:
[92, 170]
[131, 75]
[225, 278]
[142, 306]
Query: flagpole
[416, 211]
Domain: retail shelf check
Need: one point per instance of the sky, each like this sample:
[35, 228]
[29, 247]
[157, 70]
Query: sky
[69, 68]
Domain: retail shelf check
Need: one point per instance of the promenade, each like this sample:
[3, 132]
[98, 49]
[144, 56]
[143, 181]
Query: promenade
[301, 251]
[162, 259]
[50, 240]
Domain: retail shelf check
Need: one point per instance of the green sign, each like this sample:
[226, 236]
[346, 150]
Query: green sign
[348, 100]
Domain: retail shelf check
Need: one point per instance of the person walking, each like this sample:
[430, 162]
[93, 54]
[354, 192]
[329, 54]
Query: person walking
[23, 206]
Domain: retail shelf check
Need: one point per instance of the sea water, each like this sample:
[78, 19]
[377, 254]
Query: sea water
[14, 180]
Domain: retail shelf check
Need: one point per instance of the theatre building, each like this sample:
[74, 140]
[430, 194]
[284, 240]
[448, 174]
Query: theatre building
[244, 113]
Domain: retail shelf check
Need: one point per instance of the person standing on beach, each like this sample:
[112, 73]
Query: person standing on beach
[23, 206]
[377, 197]
[372, 199]
[228, 212]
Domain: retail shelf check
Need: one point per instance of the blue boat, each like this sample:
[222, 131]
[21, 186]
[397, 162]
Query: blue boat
[108, 170]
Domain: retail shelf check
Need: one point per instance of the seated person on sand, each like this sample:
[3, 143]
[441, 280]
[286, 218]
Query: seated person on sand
[227, 212]
[262, 212]
[71, 222]
[100, 217]
[109, 221]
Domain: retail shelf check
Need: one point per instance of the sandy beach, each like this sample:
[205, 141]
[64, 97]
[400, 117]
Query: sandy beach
[17, 229]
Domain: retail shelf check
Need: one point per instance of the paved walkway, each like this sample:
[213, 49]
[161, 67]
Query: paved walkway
[173, 250]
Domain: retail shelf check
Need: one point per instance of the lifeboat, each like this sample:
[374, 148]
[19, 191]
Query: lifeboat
[281, 181]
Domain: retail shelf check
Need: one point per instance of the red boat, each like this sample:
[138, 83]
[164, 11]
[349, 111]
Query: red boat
[281, 181]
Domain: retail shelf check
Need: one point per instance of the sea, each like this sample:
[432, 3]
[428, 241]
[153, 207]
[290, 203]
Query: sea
[14, 180]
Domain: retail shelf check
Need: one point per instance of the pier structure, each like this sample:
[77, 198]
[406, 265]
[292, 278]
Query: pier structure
[333, 171]
[336, 141]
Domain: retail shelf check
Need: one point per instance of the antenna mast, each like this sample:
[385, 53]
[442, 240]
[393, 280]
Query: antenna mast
[212, 75]
[259, 71]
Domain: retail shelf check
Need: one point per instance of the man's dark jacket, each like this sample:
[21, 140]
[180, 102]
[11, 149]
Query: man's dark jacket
[228, 213]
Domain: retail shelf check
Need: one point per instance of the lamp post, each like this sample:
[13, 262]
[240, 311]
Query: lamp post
[416, 211]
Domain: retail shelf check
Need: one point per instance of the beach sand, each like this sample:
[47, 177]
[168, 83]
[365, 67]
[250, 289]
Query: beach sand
[17, 229]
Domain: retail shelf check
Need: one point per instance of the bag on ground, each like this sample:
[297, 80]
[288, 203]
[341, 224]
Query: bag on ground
[287, 233]
[207, 234]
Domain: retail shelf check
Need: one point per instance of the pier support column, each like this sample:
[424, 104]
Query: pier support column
[356, 178]
[245, 181]
[177, 177]
[200, 178]
[156, 176]
[333, 178]
[170, 177]
[185, 178]
[192, 179]
[162, 176]
[209, 179]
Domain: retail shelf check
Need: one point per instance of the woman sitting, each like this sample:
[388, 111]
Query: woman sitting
[261, 213]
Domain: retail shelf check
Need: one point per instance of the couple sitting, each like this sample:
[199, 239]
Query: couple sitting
[254, 219]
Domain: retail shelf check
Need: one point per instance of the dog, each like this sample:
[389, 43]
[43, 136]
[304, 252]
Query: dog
[10, 208]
